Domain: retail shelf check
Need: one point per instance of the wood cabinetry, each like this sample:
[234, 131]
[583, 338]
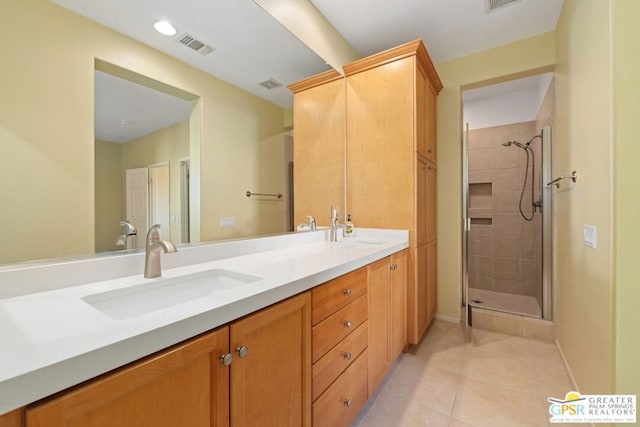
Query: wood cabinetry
[390, 101]
[183, 386]
[188, 385]
[339, 348]
[12, 419]
[271, 384]
[387, 315]
[320, 118]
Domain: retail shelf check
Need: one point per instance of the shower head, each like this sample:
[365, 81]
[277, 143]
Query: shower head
[516, 143]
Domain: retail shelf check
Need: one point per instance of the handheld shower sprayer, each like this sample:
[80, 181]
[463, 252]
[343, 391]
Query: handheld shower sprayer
[529, 152]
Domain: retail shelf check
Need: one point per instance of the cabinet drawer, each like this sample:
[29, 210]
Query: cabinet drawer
[332, 296]
[342, 401]
[334, 328]
[327, 369]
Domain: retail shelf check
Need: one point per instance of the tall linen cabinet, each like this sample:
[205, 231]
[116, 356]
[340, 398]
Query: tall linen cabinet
[377, 125]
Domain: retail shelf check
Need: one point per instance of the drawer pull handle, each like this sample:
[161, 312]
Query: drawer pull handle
[347, 292]
[347, 355]
[347, 323]
[347, 403]
[242, 351]
[226, 359]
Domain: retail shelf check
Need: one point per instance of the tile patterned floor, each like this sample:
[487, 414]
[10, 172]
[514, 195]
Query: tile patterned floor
[469, 377]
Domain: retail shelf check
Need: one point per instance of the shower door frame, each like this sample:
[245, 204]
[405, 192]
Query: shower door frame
[547, 226]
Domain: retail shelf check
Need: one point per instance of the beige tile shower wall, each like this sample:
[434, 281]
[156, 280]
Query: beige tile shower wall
[505, 255]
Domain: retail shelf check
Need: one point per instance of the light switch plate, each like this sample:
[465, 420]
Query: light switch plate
[227, 221]
[589, 235]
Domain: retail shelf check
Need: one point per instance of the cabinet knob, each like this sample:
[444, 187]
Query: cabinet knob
[347, 403]
[430, 151]
[347, 323]
[242, 351]
[226, 359]
[393, 266]
[347, 292]
[347, 355]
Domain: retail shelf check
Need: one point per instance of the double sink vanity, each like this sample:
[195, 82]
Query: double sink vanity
[283, 330]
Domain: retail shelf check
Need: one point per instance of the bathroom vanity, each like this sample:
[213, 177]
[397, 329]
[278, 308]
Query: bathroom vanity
[283, 330]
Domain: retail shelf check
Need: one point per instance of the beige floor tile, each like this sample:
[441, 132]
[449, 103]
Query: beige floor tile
[443, 354]
[436, 391]
[456, 423]
[481, 404]
[502, 370]
[461, 377]
[502, 344]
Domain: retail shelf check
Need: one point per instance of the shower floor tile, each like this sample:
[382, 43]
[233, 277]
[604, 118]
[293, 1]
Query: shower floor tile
[508, 303]
[493, 379]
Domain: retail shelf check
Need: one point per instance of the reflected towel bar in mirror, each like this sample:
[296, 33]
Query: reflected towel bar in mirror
[249, 194]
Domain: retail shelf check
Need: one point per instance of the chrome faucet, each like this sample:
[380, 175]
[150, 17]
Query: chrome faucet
[155, 247]
[335, 226]
[128, 230]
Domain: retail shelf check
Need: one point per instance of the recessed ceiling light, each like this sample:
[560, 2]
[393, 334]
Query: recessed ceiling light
[165, 27]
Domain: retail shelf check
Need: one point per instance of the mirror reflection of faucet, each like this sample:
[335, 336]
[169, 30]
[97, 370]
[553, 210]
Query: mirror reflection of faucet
[311, 226]
[154, 249]
[128, 236]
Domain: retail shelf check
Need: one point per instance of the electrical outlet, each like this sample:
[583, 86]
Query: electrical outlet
[589, 235]
[227, 221]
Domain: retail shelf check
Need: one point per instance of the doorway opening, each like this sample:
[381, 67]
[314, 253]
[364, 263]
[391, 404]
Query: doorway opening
[506, 203]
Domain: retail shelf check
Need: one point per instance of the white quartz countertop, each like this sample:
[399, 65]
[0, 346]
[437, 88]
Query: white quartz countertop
[54, 339]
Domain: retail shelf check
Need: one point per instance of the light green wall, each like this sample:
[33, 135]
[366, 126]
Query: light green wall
[626, 87]
[535, 53]
[108, 195]
[583, 143]
[47, 135]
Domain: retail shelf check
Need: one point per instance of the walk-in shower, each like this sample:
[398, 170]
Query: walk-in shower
[506, 206]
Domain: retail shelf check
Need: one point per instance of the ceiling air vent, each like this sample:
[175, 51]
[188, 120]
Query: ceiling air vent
[493, 5]
[270, 84]
[195, 44]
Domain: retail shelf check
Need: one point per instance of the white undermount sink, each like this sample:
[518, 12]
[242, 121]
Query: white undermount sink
[149, 296]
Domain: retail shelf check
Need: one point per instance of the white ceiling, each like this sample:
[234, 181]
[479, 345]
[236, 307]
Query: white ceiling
[121, 109]
[250, 46]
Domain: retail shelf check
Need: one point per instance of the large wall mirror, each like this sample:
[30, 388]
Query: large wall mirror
[142, 160]
[59, 197]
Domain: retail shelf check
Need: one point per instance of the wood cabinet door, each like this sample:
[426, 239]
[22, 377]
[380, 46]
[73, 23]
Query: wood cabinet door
[11, 419]
[417, 310]
[431, 120]
[398, 303]
[432, 280]
[318, 152]
[379, 316]
[431, 202]
[422, 201]
[271, 384]
[185, 386]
